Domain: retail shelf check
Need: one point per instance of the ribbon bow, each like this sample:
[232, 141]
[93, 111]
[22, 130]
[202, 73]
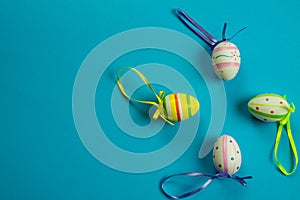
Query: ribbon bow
[167, 179]
[201, 32]
[283, 122]
[160, 111]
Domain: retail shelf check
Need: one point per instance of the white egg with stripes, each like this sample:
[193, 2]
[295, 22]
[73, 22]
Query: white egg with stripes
[269, 107]
[226, 60]
[227, 155]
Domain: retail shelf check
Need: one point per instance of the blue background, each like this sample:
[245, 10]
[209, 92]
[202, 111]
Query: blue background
[42, 45]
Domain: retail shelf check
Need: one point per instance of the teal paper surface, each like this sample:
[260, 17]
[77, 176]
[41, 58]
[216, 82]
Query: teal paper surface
[67, 133]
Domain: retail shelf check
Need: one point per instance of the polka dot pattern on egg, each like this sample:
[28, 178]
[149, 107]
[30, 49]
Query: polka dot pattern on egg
[268, 107]
[226, 155]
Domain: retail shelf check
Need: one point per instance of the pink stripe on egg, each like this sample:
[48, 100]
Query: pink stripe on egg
[225, 48]
[227, 64]
[235, 159]
[224, 144]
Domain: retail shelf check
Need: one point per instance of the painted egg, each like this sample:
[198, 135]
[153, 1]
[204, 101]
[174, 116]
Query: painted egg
[269, 107]
[180, 106]
[226, 60]
[227, 155]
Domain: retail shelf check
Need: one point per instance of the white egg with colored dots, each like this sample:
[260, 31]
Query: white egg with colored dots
[226, 60]
[227, 155]
[269, 107]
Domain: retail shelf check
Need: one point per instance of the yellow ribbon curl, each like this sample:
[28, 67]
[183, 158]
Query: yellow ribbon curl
[160, 111]
[283, 122]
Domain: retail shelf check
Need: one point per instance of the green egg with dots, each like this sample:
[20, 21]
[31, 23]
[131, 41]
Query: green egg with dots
[227, 156]
[269, 107]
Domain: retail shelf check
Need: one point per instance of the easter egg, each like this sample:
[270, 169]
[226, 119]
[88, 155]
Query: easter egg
[227, 155]
[269, 107]
[226, 60]
[180, 106]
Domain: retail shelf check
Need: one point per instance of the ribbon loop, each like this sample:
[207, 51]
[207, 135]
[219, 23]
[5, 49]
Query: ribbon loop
[195, 27]
[283, 122]
[194, 174]
[160, 109]
[201, 32]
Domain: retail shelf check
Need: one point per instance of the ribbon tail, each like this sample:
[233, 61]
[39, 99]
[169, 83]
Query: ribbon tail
[224, 31]
[235, 33]
[166, 120]
[156, 114]
[160, 113]
[195, 27]
[241, 179]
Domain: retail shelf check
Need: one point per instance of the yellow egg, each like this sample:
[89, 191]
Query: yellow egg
[180, 106]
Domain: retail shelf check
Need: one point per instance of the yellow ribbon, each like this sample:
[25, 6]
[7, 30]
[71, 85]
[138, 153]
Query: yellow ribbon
[283, 122]
[160, 111]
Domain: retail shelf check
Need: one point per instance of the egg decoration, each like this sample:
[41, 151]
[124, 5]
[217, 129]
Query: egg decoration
[227, 158]
[275, 108]
[173, 107]
[269, 107]
[227, 155]
[179, 106]
[226, 58]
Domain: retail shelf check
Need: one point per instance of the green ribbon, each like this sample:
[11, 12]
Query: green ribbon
[283, 122]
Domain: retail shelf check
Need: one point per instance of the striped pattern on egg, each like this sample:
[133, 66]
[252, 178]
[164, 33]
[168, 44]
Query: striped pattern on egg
[180, 106]
[226, 60]
[227, 155]
[268, 107]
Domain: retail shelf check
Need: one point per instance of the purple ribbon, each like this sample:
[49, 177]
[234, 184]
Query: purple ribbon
[194, 174]
[201, 32]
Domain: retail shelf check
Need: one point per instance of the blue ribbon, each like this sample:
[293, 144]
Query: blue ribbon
[201, 32]
[165, 180]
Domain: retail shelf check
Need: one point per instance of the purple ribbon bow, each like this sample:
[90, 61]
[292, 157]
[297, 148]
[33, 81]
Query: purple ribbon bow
[194, 174]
